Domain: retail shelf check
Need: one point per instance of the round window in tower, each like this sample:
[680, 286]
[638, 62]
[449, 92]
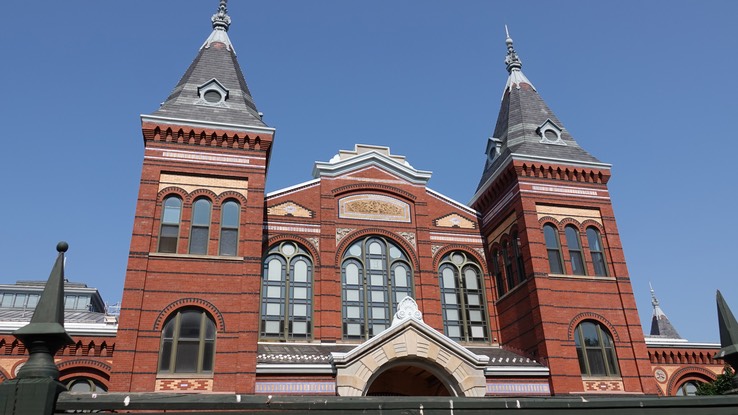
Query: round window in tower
[212, 96]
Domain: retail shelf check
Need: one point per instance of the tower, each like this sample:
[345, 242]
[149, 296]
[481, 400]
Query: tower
[562, 285]
[195, 255]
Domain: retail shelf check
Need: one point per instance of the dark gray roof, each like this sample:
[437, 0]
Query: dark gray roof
[320, 353]
[521, 113]
[218, 61]
[69, 316]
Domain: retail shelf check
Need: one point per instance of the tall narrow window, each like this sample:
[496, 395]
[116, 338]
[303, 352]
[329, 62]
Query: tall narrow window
[551, 234]
[507, 258]
[170, 218]
[595, 350]
[595, 249]
[187, 343]
[518, 256]
[287, 293]
[200, 232]
[499, 281]
[376, 275]
[229, 214]
[575, 250]
[462, 298]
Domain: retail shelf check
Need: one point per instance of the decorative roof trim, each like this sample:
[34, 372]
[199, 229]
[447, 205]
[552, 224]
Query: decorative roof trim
[491, 179]
[279, 192]
[591, 164]
[654, 342]
[516, 371]
[290, 368]
[206, 124]
[370, 158]
[452, 201]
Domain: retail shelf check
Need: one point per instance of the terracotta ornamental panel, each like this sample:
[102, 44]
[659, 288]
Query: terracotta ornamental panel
[215, 184]
[374, 207]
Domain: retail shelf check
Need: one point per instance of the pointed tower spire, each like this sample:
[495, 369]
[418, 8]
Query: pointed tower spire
[728, 338]
[213, 89]
[527, 128]
[660, 324]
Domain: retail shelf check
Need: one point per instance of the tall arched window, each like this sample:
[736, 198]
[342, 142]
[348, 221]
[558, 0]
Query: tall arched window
[376, 274]
[575, 250]
[551, 235]
[507, 260]
[187, 342]
[200, 230]
[229, 218]
[516, 244]
[497, 271]
[462, 298]
[287, 293]
[170, 217]
[594, 239]
[595, 350]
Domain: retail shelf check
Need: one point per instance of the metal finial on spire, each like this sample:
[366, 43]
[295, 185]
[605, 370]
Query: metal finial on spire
[221, 20]
[654, 300]
[512, 61]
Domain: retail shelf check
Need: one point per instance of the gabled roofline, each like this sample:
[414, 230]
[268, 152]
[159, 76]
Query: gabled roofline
[278, 192]
[453, 202]
[328, 169]
[206, 124]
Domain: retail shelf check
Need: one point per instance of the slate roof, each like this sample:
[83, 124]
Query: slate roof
[215, 60]
[521, 113]
[321, 353]
[660, 324]
[69, 316]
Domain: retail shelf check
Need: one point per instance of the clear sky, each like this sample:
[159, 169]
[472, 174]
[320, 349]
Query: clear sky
[649, 86]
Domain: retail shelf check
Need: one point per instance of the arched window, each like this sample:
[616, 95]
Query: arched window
[229, 218]
[507, 260]
[497, 271]
[84, 384]
[287, 293]
[200, 231]
[376, 275]
[187, 342]
[170, 217]
[518, 256]
[594, 239]
[575, 250]
[551, 234]
[688, 388]
[462, 298]
[595, 350]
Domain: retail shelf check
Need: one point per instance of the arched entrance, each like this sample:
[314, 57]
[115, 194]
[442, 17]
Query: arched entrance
[409, 377]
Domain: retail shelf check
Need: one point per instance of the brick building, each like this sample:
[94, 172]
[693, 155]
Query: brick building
[364, 281]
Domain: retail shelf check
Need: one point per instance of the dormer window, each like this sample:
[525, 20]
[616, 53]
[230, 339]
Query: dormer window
[212, 93]
[494, 148]
[550, 133]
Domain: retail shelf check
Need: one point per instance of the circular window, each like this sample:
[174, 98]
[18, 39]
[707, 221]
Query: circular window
[212, 96]
[551, 135]
[288, 249]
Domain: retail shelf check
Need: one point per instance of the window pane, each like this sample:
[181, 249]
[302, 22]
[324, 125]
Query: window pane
[589, 331]
[475, 315]
[449, 281]
[352, 295]
[8, 300]
[352, 274]
[375, 248]
[209, 329]
[229, 214]
[353, 312]
[582, 364]
[612, 361]
[355, 250]
[596, 362]
[452, 315]
[394, 252]
[272, 327]
[300, 293]
[80, 386]
[172, 209]
[572, 237]
[166, 355]
[477, 332]
[471, 279]
[299, 310]
[207, 357]
[201, 212]
[274, 292]
[288, 249]
[552, 240]
[199, 240]
[378, 297]
[400, 276]
[454, 332]
[300, 272]
[450, 298]
[353, 329]
[472, 300]
[554, 261]
[189, 325]
[186, 358]
[274, 309]
[299, 327]
[377, 280]
[593, 238]
[274, 272]
[378, 313]
[20, 301]
[376, 264]
[228, 242]
[32, 301]
[577, 265]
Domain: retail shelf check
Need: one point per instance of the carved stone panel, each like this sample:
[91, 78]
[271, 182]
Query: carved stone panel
[374, 207]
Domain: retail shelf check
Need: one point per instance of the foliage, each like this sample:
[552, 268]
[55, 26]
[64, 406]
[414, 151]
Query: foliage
[723, 383]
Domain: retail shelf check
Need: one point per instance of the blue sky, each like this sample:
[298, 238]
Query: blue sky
[647, 86]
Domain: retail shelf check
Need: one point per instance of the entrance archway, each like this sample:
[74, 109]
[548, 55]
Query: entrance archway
[411, 378]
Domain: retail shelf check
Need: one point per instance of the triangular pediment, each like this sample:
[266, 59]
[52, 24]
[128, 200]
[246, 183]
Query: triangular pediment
[365, 157]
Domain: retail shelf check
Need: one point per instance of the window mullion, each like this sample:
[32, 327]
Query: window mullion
[286, 300]
[201, 343]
